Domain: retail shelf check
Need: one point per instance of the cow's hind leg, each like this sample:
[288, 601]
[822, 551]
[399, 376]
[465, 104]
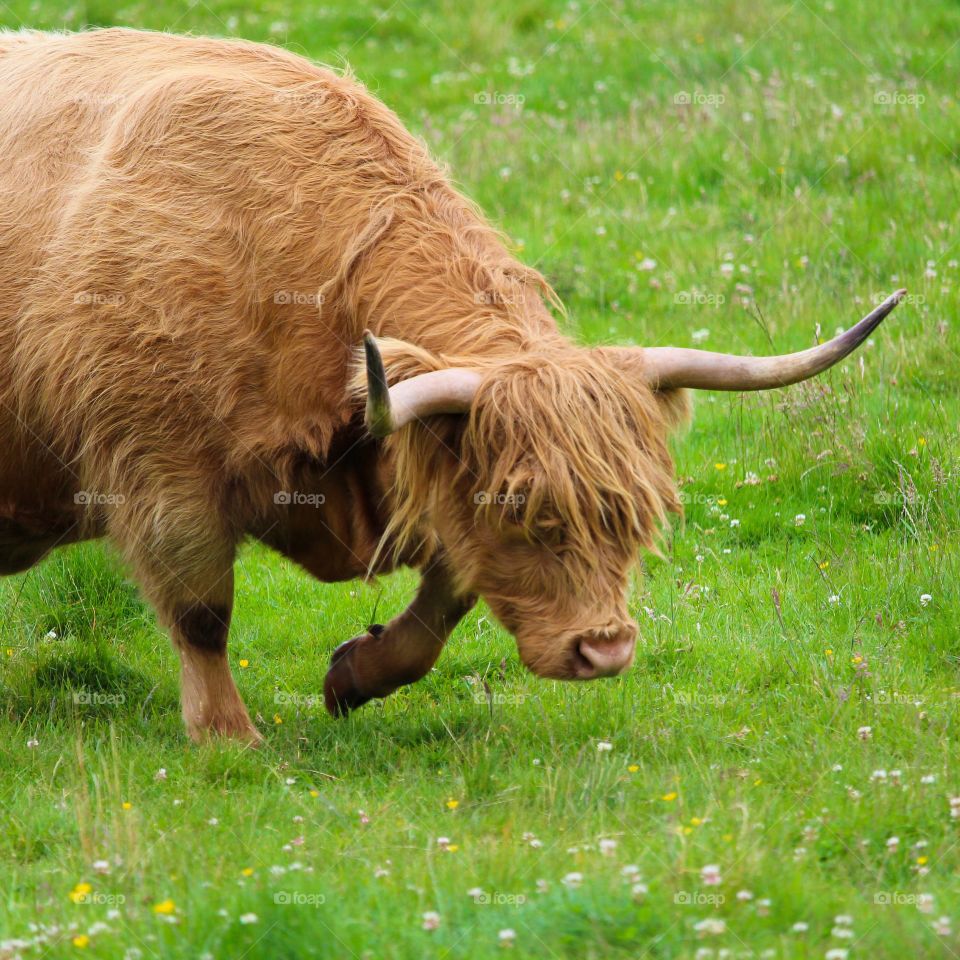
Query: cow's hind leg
[376, 663]
[189, 580]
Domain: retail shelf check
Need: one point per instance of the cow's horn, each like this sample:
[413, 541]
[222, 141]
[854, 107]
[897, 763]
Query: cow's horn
[390, 408]
[670, 367]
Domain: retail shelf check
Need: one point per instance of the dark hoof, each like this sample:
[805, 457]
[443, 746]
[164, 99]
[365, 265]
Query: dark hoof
[340, 693]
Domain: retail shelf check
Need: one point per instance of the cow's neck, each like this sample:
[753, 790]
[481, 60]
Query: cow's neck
[334, 515]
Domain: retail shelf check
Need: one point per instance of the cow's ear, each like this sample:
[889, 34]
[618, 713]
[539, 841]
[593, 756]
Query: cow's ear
[627, 359]
[632, 363]
[675, 405]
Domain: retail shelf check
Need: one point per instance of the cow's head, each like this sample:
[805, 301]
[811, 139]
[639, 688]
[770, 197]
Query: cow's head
[552, 475]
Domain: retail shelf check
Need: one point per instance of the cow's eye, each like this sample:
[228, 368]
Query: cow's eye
[551, 533]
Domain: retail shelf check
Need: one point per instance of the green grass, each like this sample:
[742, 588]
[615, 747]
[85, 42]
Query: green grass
[766, 645]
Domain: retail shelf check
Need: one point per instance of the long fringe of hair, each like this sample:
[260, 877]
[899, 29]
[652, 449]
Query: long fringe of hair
[565, 444]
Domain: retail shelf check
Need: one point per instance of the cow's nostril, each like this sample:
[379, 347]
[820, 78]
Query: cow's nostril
[583, 667]
[596, 655]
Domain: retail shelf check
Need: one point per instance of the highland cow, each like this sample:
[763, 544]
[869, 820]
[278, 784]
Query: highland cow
[194, 236]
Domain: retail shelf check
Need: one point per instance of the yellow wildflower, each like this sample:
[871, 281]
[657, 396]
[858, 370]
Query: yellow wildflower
[79, 893]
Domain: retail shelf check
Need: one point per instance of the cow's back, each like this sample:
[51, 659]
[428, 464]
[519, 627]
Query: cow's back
[169, 207]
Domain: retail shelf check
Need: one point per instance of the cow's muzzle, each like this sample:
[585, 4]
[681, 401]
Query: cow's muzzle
[603, 653]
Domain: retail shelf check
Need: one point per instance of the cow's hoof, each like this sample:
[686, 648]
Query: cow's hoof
[340, 693]
[239, 729]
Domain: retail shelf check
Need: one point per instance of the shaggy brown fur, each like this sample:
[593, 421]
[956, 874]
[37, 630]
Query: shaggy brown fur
[194, 234]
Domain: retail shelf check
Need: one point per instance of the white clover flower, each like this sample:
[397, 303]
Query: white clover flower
[711, 927]
[710, 875]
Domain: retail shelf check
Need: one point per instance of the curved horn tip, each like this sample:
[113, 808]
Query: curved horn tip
[881, 311]
[379, 416]
[893, 298]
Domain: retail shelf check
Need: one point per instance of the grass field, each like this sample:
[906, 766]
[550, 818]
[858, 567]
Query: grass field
[774, 777]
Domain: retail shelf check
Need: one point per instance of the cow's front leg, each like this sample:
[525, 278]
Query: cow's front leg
[210, 699]
[384, 658]
[195, 607]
